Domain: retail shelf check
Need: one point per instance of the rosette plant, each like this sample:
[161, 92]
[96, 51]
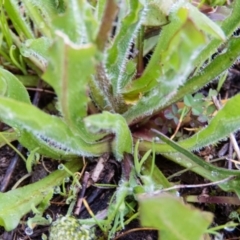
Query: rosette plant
[114, 67]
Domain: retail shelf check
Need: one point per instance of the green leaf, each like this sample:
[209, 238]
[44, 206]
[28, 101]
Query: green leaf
[69, 71]
[28, 80]
[8, 137]
[16, 203]
[37, 51]
[168, 68]
[157, 13]
[48, 8]
[100, 8]
[166, 62]
[5, 30]
[41, 12]
[13, 12]
[229, 25]
[11, 87]
[77, 22]
[201, 167]
[159, 179]
[226, 121]
[188, 100]
[50, 133]
[119, 51]
[215, 68]
[204, 23]
[173, 219]
[113, 123]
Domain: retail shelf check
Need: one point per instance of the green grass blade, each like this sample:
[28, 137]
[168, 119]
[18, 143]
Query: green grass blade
[201, 167]
[21, 26]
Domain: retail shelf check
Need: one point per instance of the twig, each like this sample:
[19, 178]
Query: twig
[10, 170]
[40, 90]
[108, 18]
[135, 230]
[82, 193]
[194, 185]
[99, 167]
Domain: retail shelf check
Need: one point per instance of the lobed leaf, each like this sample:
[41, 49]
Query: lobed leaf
[113, 123]
[16, 203]
[50, 133]
[164, 213]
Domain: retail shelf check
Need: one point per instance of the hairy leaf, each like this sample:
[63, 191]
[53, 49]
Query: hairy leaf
[173, 219]
[16, 203]
[100, 8]
[41, 13]
[226, 121]
[69, 70]
[119, 51]
[168, 68]
[175, 48]
[114, 123]
[204, 23]
[157, 177]
[229, 25]
[49, 133]
[215, 68]
[157, 13]
[37, 51]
